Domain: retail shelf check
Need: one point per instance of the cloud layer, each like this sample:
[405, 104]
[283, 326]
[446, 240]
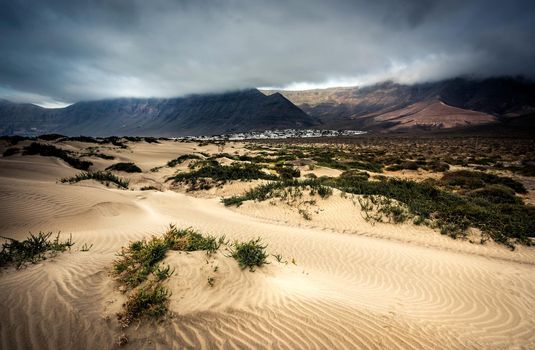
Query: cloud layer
[67, 50]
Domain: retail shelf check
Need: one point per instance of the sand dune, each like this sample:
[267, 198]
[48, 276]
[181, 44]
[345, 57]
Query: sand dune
[353, 285]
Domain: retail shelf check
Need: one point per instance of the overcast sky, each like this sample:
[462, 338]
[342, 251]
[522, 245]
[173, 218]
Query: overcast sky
[66, 50]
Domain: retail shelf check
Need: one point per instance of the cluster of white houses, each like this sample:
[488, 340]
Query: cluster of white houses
[275, 134]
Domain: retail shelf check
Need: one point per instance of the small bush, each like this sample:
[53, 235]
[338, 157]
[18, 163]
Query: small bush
[14, 139]
[104, 177]
[495, 194]
[149, 188]
[324, 191]
[138, 260]
[33, 249]
[189, 240]
[472, 180]
[222, 173]
[126, 167]
[101, 155]
[10, 151]
[52, 151]
[250, 254]
[273, 189]
[181, 159]
[287, 173]
[150, 301]
[407, 165]
[163, 273]
[151, 140]
[138, 268]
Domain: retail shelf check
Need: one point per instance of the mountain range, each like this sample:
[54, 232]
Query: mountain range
[206, 114]
[385, 107]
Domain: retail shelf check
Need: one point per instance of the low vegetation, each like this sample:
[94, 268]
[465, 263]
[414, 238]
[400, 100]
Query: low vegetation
[95, 152]
[471, 180]
[52, 151]
[287, 172]
[14, 139]
[250, 254]
[33, 249]
[126, 167]
[219, 174]
[149, 188]
[11, 151]
[189, 240]
[277, 190]
[140, 272]
[494, 209]
[182, 159]
[104, 177]
[149, 301]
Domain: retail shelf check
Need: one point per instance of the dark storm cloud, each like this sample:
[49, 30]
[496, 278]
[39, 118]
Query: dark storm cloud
[72, 50]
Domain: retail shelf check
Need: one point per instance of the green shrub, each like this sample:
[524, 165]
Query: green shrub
[104, 177]
[151, 140]
[250, 254]
[287, 173]
[10, 151]
[495, 194]
[223, 173]
[101, 155]
[150, 301]
[149, 188]
[471, 180]
[126, 167]
[33, 249]
[407, 165]
[138, 269]
[492, 210]
[189, 240]
[181, 159]
[138, 260]
[324, 191]
[437, 166]
[52, 151]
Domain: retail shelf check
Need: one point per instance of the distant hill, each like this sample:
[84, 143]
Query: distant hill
[387, 107]
[454, 103]
[207, 114]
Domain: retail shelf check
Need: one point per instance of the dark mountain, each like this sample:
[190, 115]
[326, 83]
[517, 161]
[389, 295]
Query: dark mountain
[453, 103]
[192, 115]
[386, 107]
[16, 117]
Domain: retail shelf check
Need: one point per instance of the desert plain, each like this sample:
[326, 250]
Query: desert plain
[333, 279]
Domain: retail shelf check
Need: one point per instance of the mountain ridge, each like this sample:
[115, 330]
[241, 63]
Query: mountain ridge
[362, 107]
[383, 107]
[242, 110]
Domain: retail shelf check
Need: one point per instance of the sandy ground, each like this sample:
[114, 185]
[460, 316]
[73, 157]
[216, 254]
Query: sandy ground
[347, 283]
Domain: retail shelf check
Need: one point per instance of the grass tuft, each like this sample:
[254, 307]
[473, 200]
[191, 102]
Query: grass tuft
[104, 177]
[189, 240]
[32, 249]
[150, 301]
[250, 254]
